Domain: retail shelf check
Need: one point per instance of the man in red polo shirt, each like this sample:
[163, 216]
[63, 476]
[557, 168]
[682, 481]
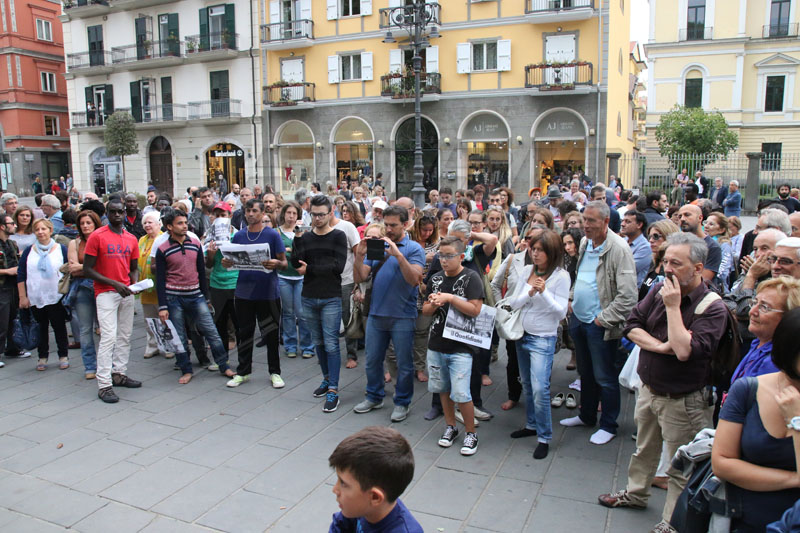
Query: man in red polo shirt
[111, 261]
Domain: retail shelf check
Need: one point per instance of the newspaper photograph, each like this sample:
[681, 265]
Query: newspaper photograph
[246, 256]
[220, 231]
[166, 335]
[475, 331]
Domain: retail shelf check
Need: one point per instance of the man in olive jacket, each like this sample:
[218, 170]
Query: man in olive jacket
[601, 299]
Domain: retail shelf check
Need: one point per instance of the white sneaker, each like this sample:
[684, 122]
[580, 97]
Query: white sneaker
[277, 382]
[213, 367]
[2, 364]
[237, 380]
[572, 422]
[601, 436]
[460, 418]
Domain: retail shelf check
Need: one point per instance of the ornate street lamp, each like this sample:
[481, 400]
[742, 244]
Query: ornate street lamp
[414, 18]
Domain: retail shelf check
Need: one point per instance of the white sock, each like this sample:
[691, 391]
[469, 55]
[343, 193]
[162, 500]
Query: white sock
[572, 422]
[601, 436]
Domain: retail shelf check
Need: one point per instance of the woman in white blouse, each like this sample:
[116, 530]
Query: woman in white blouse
[542, 299]
[37, 280]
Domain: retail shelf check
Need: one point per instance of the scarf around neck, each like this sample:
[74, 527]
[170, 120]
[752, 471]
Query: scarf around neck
[44, 265]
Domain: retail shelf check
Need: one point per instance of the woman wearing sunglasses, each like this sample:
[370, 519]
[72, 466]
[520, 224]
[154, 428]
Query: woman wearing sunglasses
[657, 234]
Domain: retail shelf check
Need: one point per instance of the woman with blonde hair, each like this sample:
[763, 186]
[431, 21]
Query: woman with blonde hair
[716, 227]
[657, 234]
[497, 224]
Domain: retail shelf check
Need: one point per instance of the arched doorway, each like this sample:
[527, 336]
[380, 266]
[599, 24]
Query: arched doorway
[559, 145]
[352, 143]
[225, 161]
[295, 146]
[161, 165]
[404, 144]
[484, 150]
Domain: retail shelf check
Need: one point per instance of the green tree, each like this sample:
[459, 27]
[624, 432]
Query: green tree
[705, 135]
[120, 139]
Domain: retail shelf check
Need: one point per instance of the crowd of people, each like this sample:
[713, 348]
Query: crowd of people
[664, 277]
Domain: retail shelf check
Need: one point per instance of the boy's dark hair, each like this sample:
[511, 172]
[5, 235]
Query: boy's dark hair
[202, 190]
[446, 190]
[94, 205]
[69, 216]
[566, 206]
[376, 456]
[455, 242]
[255, 202]
[170, 216]
[115, 197]
[321, 200]
[38, 200]
[62, 196]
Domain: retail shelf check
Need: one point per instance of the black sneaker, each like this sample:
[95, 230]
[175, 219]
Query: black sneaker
[121, 380]
[448, 437]
[108, 395]
[331, 402]
[470, 444]
[322, 390]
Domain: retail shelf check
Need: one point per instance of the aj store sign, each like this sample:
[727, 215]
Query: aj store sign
[560, 125]
[486, 127]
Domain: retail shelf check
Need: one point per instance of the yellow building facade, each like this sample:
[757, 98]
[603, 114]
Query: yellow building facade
[512, 91]
[736, 56]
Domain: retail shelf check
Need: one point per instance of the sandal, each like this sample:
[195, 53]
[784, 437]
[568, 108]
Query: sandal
[571, 402]
[63, 364]
[41, 366]
[558, 400]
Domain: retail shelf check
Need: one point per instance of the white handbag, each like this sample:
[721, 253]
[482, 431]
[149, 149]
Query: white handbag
[508, 321]
[629, 376]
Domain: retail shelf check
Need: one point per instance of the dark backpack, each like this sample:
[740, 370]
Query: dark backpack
[728, 353]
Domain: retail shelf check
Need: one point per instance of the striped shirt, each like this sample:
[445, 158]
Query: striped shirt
[180, 270]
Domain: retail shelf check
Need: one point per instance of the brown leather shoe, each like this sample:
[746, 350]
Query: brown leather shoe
[619, 499]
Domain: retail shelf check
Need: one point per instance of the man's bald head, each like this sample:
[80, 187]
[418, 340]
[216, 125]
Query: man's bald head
[408, 203]
[794, 220]
[690, 217]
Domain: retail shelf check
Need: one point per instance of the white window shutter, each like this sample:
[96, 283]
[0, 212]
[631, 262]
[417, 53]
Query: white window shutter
[333, 9]
[274, 11]
[305, 9]
[395, 3]
[463, 53]
[395, 60]
[504, 54]
[432, 59]
[366, 7]
[366, 66]
[333, 69]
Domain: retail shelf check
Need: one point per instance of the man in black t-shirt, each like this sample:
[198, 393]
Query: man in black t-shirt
[450, 361]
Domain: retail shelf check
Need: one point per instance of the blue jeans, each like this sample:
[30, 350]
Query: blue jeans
[599, 377]
[380, 330]
[535, 359]
[293, 312]
[196, 309]
[85, 308]
[323, 316]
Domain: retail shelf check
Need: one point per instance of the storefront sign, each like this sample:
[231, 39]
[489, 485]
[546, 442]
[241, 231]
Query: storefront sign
[228, 153]
[485, 127]
[560, 125]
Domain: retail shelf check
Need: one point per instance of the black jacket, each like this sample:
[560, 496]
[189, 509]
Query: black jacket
[136, 228]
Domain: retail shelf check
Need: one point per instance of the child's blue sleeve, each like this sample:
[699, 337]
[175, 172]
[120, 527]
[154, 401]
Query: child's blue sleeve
[341, 524]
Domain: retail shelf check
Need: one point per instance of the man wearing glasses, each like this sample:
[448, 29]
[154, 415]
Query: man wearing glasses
[678, 326]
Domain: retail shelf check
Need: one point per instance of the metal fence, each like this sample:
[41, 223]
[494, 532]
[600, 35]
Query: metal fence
[654, 171]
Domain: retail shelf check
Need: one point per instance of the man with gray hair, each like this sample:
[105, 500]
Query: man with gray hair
[601, 298]
[51, 207]
[677, 326]
[9, 203]
[302, 197]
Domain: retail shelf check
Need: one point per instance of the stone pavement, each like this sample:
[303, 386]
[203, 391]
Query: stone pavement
[202, 457]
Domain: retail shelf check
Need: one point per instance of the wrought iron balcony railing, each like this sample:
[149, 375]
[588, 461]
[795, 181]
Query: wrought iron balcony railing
[159, 113]
[80, 60]
[146, 50]
[285, 31]
[539, 6]
[402, 85]
[289, 94]
[215, 109]
[206, 42]
[559, 76]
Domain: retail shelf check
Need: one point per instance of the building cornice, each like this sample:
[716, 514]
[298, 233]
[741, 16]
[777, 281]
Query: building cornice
[33, 107]
[31, 53]
[10, 138]
[690, 44]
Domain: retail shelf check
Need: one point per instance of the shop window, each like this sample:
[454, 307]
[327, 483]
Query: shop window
[774, 97]
[295, 157]
[353, 149]
[51, 125]
[693, 92]
[44, 30]
[484, 56]
[485, 139]
[48, 82]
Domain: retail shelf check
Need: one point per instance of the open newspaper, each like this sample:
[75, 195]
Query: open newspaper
[246, 256]
[166, 335]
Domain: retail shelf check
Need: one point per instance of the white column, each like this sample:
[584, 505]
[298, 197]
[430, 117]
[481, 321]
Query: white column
[736, 101]
[652, 32]
[651, 89]
[742, 17]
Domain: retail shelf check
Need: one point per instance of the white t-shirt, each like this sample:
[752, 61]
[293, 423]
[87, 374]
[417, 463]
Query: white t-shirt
[353, 238]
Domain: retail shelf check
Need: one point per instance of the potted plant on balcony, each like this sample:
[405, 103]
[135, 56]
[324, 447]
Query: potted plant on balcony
[227, 41]
[147, 48]
[191, 46]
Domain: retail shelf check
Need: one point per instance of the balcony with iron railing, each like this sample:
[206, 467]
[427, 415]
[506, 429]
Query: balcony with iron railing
[400, 86]
[89, 63]
[285, 35]
[696, 33]
[538, 11]
[161, 116]
[212, 46]
[778, 30]
[403, 16]
[147, 54]
[289, 94]
[575, 76]
[80, 9]
[223, 110]
[87, 119]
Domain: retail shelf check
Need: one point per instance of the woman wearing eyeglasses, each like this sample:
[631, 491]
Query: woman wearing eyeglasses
[657, 234]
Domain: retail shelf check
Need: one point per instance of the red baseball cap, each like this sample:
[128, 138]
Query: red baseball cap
[223, 205]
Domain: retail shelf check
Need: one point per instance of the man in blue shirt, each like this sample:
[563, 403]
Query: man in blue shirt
[392, 311]
[634, 227]
[732, 204]
[446, 195]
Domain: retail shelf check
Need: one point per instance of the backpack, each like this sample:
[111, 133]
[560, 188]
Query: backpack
[728, 353]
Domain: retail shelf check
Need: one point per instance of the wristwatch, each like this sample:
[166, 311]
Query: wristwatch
[794, 423]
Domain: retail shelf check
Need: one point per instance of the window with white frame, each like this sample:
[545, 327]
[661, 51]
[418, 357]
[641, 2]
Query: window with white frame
[48, 82]
[484, 56]
[51, 125]
[351, 7]
[773, 101]
[44, 30]
[350, 67]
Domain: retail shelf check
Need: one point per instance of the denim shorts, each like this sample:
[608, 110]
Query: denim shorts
[450, 372]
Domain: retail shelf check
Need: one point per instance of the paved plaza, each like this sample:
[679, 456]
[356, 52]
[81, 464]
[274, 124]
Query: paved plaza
[203, 457]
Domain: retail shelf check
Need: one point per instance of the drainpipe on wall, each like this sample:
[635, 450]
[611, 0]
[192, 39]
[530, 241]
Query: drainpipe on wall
[600, 73]
[255, 93]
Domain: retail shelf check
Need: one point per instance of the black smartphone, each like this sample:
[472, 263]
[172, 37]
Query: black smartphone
[375, 248]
